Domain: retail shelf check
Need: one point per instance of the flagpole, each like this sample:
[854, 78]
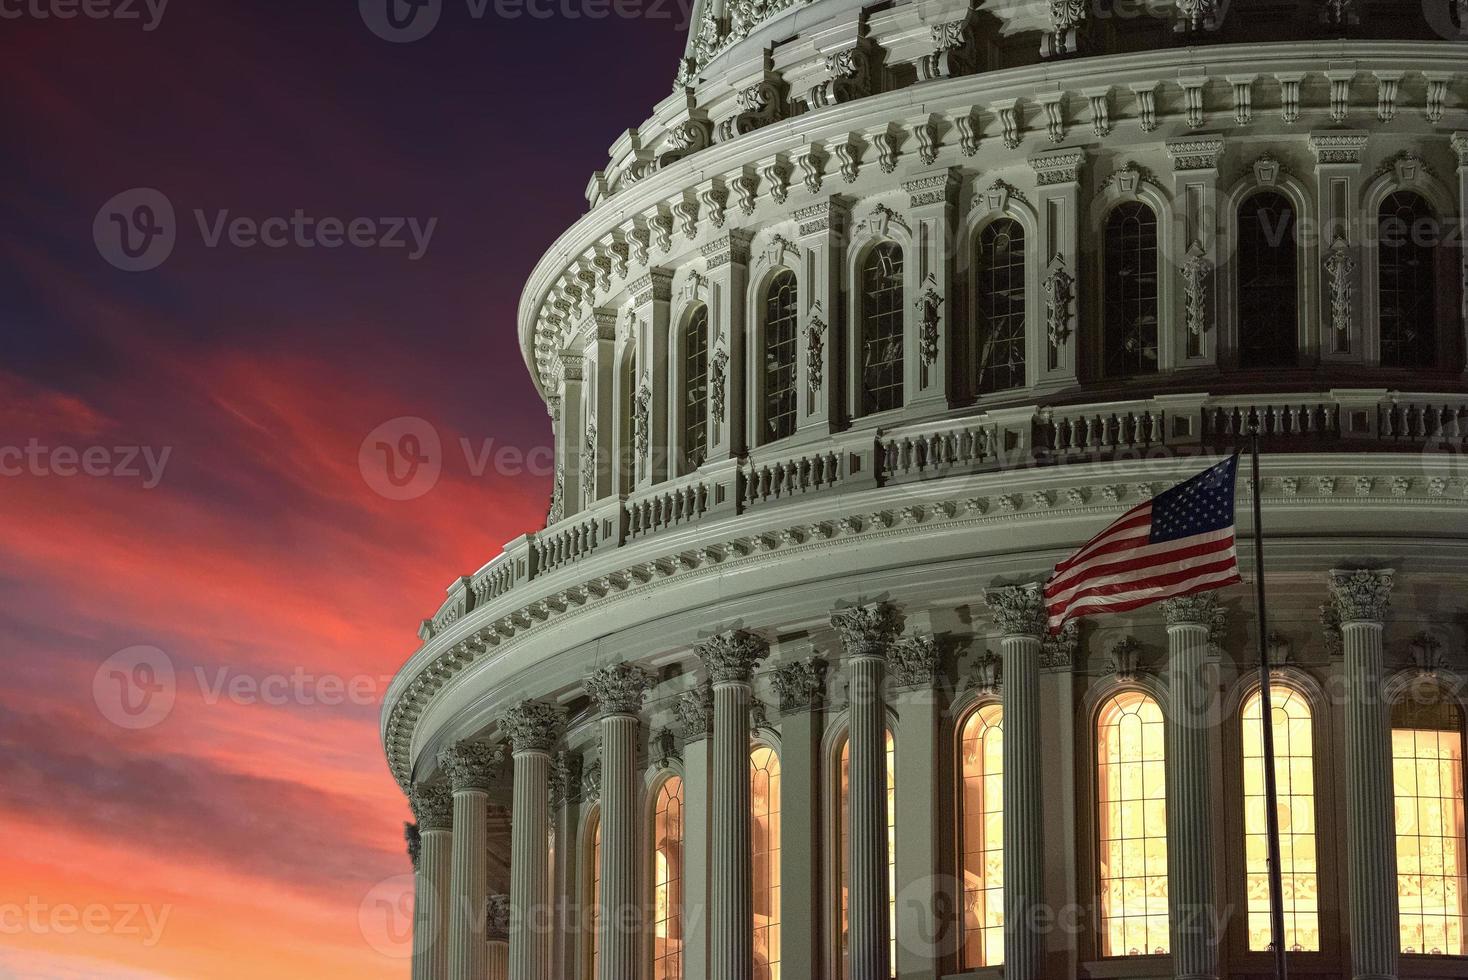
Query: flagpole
[1266, 716]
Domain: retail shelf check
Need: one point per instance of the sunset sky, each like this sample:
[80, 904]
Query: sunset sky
[223, 528]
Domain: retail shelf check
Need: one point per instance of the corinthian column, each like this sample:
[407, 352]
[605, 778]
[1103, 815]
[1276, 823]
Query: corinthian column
[433, 806]
[532, 728]
[1361, 596]
[618, 691]
[471, 767]
[1019, 612]
[867, 633]
[730, 659]
[1190, 623]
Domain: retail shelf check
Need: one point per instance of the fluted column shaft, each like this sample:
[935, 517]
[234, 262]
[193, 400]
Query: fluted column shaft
[1361, 598]
[529, 865]
[1189, 806]
[1024, 834]
[430, 916]
[868, 920]
[468, 948]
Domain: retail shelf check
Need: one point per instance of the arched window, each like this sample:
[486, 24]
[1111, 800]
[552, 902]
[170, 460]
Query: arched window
[764, 773]
[780, 385]
[1130, 290]
[981, 836]
[593, 908]
[881, 329]
[843, 815]
[1131, 783]
[696, 388]
[1000, 271]
[1294, 769]
[1406, 279]
[1427, 776]
[1268, 268]
[667, 931]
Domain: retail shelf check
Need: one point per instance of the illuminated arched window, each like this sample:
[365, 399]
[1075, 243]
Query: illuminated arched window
[1268, 281]
[1427, 777]
[881, 329]
[1131, 784]
[764, 773]
[981, 836]
[1406, 277]
[780, 347]
[843, 816]
[1000, 271]
[1294, 775]
[1130, 290]
[593, 908]
[696, 388]
[667, 931]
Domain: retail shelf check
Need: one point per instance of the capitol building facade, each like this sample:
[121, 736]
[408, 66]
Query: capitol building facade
[882, 313]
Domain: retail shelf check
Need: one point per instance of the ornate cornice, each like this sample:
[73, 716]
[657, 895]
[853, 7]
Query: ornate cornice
[654, 286]
[731, 656]
[1195, 152]
[471, 765]
[916, 661]
[533, 726]
[1361, 595]
[867, 630]
[800, 686]
[619, 689]
[1058, 166]
[1334, 147]
[695, 711]
[731, 247]
[1019, 610]
[433, 806]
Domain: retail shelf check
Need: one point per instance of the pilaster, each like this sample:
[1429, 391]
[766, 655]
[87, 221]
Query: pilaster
[652, 296]
[923, 923]
[821, 230]
[932, 199]
[1343, 334]
[1054, 352]
[1193, 244]
[1460, 146]
[570, 433]
[598, 407]
[800, 689]
[696, 710]
[727, 263]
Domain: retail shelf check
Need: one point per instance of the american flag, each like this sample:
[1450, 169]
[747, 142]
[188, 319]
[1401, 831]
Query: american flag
[1179, 542]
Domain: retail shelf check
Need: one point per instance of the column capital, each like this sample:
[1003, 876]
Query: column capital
[433, 806]
[800, 686]
[1361, 595]
[916, 661]
[1459, 142]
[497, 918]
[730, 657]
[533, 726]
[1201, 609]
[1019, 610]
[471, 765]
[868, 630]
[696, 713]
[414, 840]
[619, 689]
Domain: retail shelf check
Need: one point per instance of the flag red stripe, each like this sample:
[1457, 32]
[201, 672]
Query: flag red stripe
[1138, 516]
[1147, 598]
[1179, 572]
[1136, 560]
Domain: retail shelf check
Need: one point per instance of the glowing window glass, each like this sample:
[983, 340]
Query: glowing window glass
[981, 835]
[1294, 775]
[593, 911]
[845, 822]
[1131, 781]
[765, 800]
[667, 933]
[1427, 778]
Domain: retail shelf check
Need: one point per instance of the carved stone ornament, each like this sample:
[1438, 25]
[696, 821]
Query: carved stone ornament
[695, 711]
[557, 509]
[718, 381]
[414, 840]
[1191, 610]
[1330, 629]
[533, 726]
[565, 779]
[801, 685]
[930, 317]
[1058, 288]
[815, 348]
[868, 630]
[1125, 655]
[588, 463]
[591, 781]
[1066, 16]
[916, 661]
[433, 806]
[619, 689]
[1194, 271]
[1196, 15]
[1340, 274]
[641, 408]
[986, 675]
[497, 918]
[1018, 610]
[731, 656]
[1266, 171]
[1427, 654]
[1361, 594]
[1058, 650]
[471, 765]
